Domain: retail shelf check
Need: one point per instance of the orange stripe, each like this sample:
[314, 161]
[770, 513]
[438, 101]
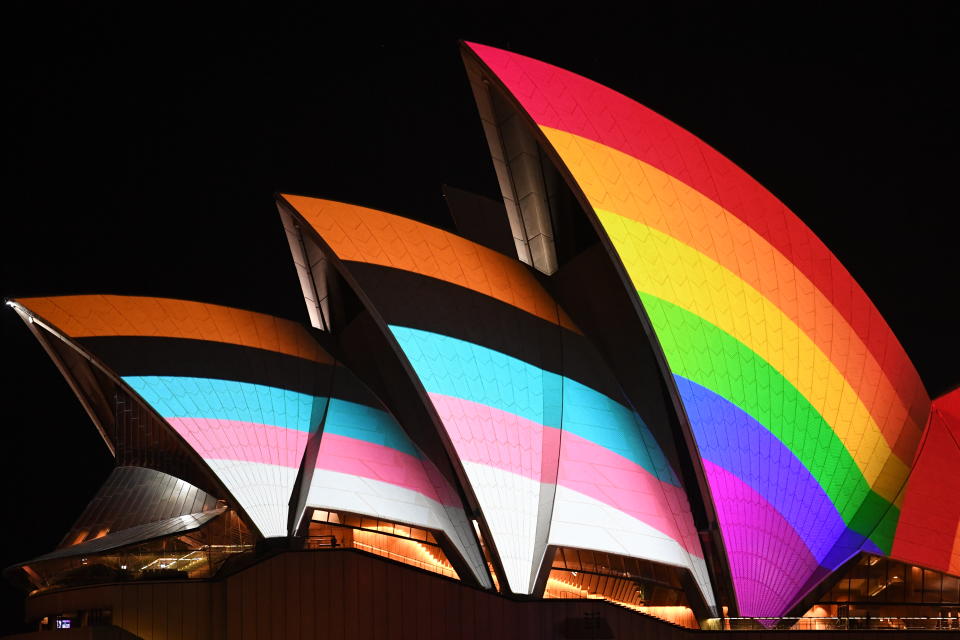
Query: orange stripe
[99, 315]
[631, 188]
[375, 237]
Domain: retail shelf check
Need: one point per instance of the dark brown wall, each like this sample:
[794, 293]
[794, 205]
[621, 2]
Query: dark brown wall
[152, 611]
[345, 594]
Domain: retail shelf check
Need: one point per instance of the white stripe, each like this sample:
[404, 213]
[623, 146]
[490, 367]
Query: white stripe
[263, 491]
[510, 504]
[341, 491]
[584, 522]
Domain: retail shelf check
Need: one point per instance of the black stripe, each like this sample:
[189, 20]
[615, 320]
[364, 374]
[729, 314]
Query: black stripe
[152, 356]
[347, 386]
[421, 302]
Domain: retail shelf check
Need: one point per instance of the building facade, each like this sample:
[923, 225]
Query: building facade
[641, 380]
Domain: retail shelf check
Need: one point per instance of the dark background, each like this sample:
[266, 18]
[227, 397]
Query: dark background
[143, 151]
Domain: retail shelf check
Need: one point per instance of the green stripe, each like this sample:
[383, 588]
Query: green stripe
[884, 530]
[709, 356]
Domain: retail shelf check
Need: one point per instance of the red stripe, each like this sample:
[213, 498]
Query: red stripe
[929, 519]
[562, 100]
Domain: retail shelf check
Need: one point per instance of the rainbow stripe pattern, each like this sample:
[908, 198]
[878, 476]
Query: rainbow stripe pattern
[804, 406]
[553, 453]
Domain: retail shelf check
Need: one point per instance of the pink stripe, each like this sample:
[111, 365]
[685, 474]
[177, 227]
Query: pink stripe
[448, 495]
[502, 440]
[374, 461]
[247, 441]
[610, 478]
[769, 561]
[498, 438]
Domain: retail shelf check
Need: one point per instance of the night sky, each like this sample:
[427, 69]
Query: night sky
[143, 152]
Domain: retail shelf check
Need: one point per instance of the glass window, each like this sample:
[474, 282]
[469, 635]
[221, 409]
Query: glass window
[895, 588]
[877, 581]
[951, 589]
[914, 585]
[841, 591]
[931, 586]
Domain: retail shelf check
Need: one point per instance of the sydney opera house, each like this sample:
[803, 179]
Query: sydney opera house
[637, 397]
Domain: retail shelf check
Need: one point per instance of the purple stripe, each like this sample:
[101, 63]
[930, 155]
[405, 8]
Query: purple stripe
[730, 438]
[769, 562]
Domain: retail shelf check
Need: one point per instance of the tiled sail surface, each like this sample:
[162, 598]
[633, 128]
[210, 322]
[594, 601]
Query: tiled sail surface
[552, 452]
[243, 389]
[804, 406]
[929, 530]
[367, 464]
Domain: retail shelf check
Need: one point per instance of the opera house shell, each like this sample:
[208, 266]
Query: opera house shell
[640, 384]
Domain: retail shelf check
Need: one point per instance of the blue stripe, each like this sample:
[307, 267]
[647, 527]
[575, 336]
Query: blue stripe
[183, 397]
[454, 367]
[729, 437]
[465, 370]
[361, 422]
[607, 423]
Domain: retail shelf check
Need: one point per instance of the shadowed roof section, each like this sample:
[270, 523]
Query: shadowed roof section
[360, 234]
[106, 315]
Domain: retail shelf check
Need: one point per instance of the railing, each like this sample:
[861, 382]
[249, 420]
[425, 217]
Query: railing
[434, 564]
[415, 562]
[321, 542]
[840, 624]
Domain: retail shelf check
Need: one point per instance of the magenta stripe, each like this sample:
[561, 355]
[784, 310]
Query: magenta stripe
[766, 583]
[499, 439]
[215, 438]
[377, 462]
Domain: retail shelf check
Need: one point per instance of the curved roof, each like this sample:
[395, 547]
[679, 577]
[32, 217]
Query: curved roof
[247, 392]
[243, 389]
[106, 315]
[804, 406]
[929, 530]
[360, 234]
[552, 450]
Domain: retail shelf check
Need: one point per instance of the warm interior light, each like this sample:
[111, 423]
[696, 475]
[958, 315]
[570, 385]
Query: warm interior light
[557, 587]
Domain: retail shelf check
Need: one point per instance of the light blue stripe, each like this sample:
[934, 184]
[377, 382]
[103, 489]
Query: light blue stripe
[595, 417]
[184, 397]
[361, 422]
[454, 367]
[465, 370]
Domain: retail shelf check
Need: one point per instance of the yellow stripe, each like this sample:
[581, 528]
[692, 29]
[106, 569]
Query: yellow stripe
[616, 181]
[665, 267]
